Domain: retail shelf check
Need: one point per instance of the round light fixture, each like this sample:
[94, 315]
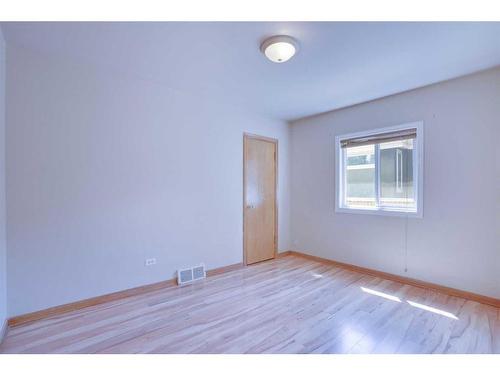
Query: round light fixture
[279, 48]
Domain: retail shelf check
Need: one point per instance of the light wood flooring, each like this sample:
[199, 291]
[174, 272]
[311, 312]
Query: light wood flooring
[287, 305]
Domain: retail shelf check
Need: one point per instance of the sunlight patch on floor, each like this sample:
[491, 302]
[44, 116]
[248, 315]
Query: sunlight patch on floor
[380, 294]
[412, 303]
[433, 310]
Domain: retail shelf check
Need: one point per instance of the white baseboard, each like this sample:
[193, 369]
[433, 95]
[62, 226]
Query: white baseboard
[3, 330]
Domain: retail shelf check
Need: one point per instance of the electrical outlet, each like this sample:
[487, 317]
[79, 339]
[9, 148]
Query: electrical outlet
[150, 262]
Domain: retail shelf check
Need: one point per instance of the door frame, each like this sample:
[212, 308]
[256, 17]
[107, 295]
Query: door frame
[247, 136]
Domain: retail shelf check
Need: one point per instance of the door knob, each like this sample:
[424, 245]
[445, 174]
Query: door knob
[249, 206]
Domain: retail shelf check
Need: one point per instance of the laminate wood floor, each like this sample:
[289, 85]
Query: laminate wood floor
[287, 305]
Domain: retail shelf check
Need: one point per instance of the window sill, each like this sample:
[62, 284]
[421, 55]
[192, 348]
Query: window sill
[380, 212]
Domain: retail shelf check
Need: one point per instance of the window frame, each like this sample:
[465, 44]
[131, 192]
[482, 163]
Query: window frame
[418, 173]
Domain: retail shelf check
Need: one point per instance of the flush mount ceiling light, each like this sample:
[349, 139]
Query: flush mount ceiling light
[279, 48]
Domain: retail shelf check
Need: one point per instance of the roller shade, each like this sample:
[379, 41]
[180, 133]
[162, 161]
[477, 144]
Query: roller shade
[379, 138]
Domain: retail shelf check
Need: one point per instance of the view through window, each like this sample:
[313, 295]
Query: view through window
[379, 171]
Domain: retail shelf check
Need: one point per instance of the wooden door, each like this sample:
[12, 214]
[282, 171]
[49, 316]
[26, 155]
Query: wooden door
[259, 198]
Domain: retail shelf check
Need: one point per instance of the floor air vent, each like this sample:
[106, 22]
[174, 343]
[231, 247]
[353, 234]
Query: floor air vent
[188, 275]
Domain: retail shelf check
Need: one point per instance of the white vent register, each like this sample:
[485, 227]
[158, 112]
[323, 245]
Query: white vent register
[188, 275]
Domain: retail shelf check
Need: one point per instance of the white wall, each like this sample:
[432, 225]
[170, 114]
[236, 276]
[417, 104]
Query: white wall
[3, 248]
[105, 170]
[457, 243]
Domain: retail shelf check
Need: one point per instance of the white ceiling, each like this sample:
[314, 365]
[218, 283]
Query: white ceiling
[339, 64]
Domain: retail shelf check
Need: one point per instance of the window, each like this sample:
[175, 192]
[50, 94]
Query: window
[381, 171]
